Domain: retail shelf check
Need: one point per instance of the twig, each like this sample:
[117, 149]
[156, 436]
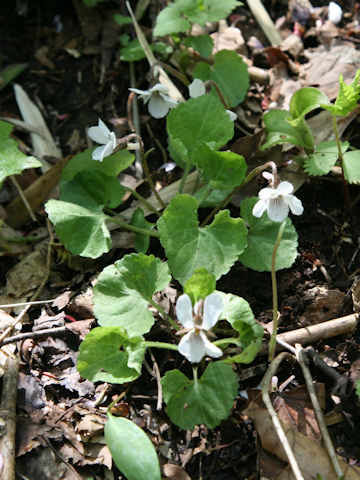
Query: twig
[8, 418]
[302, 359]
[22, 304]
[23, 198]
[48, 332]
[317, 332]
[158, 381]
[265, 22]
[14, 323]
[134, 119]
[276, 422]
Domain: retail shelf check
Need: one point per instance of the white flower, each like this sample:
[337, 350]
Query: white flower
[101, 134]
[277, 201]
[335, 13]
[158, 98]
[195, 344]
[197, 89]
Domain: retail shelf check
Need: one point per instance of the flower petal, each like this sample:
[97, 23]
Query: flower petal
[259, 208]
[98, 153]
[104, 128]
[277, 209]
[192, 346]
[140, 92]
[295, 204]
[213, 306]
[159, 88]
[184, 311]
[96, 134]
[197, 88]
[108, 150]
[269, 177]
[113, 139]
[158, 107]
[266, 193]
[210, 349]
[284, 188]
[232, 115]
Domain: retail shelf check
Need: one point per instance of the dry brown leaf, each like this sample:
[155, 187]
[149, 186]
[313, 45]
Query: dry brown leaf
[175, 472]
[311, 457]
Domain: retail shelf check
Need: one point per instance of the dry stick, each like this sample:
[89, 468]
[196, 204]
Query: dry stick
[265, 22]
[8, 418]
[302, 359]
[158, 380]
[317, 332]
[23, 198]
[22, 304]
[274, 365]
[48, 332]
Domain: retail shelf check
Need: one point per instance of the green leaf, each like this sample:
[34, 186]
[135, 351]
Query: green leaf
[203, 44]
[223, 170]
[324, 158]
[111, 166]
[198, 121]
[10, 72]
[132, 51]
[212, 200]
[280, 131]
[93, 189]
[261, 240]
[123, 291]
[229, 72]
[200, 285]
[82, 231]
[238, 313]
[306, 100]
[142, 241]
[174, 18]
[351, 164]
[347, 98]
[12, 161]
[131, 449]
[188, 247]
[207, 402]
[107, 354]
[122, 19]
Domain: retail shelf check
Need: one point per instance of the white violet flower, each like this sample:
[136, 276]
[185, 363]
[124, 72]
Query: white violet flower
[195, 344]
[101, 134]
[277, 201]
[197, 89]
[158, 98]
[335, 13]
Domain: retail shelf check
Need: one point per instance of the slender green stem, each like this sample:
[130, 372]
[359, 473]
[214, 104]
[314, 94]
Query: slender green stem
[225, 341]
[206, 193]
[142, 200]
[133, 228]
[272, 344]
[341, 160]
[164, 315]
[250, 176]
[184, 177]
[149, 179]
[218, 91]
[168, 346]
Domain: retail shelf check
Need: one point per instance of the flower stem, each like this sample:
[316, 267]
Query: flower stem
[272, 344]
[164, 314]
[184, 177]
[169, 346]
[132, 227]
[250, 176]
[149, 179]
[341, 160]
[225, 341]
[142, 200]
[218, 91]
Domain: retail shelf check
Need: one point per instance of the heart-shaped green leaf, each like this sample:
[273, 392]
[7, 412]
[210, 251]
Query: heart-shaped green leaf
[324, 158]
[261, 240]
[215, 247]
[352, 166]
[200, 285]
[107, 354]
[82, 231]
[123, 291]
[208, 400]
